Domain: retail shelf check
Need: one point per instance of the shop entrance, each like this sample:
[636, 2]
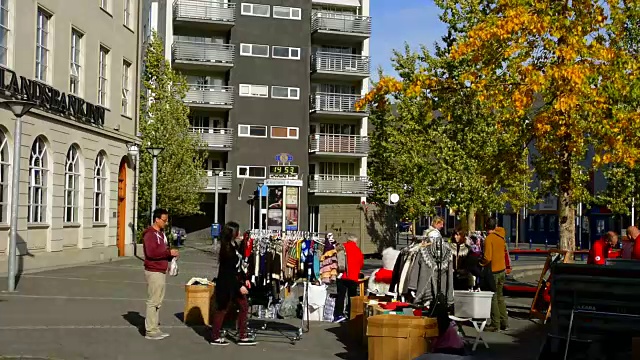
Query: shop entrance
[122, 206]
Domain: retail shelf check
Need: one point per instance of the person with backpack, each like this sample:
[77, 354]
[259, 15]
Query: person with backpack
[348, 281]
[495, 248]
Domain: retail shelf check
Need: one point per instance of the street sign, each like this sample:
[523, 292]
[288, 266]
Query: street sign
[283, 182]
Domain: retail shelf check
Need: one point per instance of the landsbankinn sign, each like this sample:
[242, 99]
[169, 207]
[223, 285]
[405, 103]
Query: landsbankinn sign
[49, 98]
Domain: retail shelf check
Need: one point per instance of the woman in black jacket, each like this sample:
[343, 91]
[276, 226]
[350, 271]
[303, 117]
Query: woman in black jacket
[232, 286]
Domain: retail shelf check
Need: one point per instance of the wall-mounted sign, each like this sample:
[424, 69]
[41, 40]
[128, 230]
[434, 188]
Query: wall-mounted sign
[283, 182]
[49, 98]
[284, 158]
[284, 171]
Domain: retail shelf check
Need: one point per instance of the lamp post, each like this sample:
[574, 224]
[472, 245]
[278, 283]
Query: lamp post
[393, 201]
[154, 151]
[19, 108]
[260, 185]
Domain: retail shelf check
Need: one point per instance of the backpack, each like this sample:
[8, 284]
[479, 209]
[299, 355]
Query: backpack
[342, 258]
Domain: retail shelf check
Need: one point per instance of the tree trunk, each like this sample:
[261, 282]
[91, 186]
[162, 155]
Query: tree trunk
[567, 215]
[471, 220]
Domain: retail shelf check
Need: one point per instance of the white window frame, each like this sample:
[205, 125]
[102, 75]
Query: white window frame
[251, 12]
[4, 178]
[242, 53]
[248, 168]
[126, 21]
[290, 49]
[246, 90]
[5, 31]
[288, 129]
[248, 131]
[126, 88]
[103, 76]
[291, 11]
[38, 170]
[72, 178]
[76, 62]
[289, 88]
[99, 189]
[105, 5]
[43, 41]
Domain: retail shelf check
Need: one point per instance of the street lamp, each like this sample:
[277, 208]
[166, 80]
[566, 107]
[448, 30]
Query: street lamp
[19, 108]
[393, 201]
[260, 185]
[216, 174]
[133, 149]
[154, 151]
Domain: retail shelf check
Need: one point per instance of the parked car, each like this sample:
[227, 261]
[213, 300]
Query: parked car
[405, 226]
[178, 235]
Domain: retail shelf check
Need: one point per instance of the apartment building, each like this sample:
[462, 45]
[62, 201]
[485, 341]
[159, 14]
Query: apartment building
[273, 87]
[77, 60]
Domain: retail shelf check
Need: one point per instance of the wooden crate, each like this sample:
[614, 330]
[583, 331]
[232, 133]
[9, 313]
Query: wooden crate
[197, 307]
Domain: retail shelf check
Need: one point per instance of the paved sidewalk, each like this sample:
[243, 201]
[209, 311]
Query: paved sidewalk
[92, 312]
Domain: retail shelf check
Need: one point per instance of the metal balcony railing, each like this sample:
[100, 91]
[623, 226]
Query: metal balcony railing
[214, 137]
[339, 184]
[210, 10]
[209, 95]
[339, 144]
[344, 63]
[224, 181]
[203, 52]
[322, 101]
[346, 23]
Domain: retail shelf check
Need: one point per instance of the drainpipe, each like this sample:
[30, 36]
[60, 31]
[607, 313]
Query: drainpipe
[136, 117]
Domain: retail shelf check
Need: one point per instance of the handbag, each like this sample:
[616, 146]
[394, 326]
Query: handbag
[487, 282]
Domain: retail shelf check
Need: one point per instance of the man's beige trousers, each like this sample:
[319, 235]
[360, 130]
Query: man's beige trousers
[156, 284]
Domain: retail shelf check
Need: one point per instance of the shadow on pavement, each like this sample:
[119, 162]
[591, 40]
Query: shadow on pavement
[195, 323]
[353, 349]
[134, 318]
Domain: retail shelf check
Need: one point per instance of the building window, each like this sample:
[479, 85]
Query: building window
[126, 87]
[283, 132]
[38, 175]
[284, 12]
[104, 4]
[256, 10]
[103, 89]
[252, 172]
[4, 32]
[127, 13]
[284, 52]
[76, 66]
[99, 189]
[259, 131]
[254, 50]
[71, 186]
[42, 44]
[253, 90]
[283, 92]
[4, 178]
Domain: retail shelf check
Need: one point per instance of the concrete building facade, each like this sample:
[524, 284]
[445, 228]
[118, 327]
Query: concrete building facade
[78, 60]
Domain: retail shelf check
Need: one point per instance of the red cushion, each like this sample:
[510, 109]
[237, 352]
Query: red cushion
[384, 276]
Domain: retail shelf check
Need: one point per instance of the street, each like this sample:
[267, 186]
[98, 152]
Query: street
[93, 312]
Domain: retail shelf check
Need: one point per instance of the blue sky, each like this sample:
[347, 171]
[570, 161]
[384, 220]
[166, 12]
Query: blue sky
[397, 21]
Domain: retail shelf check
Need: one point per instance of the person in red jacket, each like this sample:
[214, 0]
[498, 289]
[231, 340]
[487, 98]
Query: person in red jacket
[348, 281]
[157, 255]
[600, 250]
[634, 236]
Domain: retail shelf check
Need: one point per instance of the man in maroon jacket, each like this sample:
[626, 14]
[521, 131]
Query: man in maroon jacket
[157, 255]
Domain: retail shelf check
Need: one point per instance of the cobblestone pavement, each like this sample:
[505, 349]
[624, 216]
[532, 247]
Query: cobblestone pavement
[94, 311]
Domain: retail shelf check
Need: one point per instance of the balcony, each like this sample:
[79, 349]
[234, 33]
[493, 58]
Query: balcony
[338, 185]
[205, 15]
[214, 139]
[224, 182]
[209, 97]
[336, 106]
[335, 66]
[190, 55]
[339, 145]
[340, 28]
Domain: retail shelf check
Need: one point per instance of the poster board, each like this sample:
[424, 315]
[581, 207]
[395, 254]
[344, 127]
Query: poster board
[540, 308]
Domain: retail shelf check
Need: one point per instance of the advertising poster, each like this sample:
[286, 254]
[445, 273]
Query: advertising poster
[274, 212]
[292, 208]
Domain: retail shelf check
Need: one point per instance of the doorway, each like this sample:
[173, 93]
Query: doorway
[122, 206]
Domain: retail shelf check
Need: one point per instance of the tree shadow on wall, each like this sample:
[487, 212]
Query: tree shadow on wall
[380, 226]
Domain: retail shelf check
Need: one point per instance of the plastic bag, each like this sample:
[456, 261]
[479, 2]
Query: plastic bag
[173, 267]
[289, 306]
[329, 306]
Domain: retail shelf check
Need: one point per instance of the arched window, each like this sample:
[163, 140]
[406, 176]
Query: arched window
[99, 189]
[38, 175]
[71, 185]
[4, 179]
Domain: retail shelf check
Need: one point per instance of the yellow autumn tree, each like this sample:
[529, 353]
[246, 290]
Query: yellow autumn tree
[560, 70]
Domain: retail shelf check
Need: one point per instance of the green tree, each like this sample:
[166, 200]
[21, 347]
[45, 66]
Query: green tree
[164, 123]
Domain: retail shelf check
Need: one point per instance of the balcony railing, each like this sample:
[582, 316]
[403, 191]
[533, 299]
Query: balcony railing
[211, 10]
[322, 101]
[224, 181]
[214, 138]
[339, 144]
[345, 23]
[343, 63]
[211, 95]
[203, 52]
[339, 184]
